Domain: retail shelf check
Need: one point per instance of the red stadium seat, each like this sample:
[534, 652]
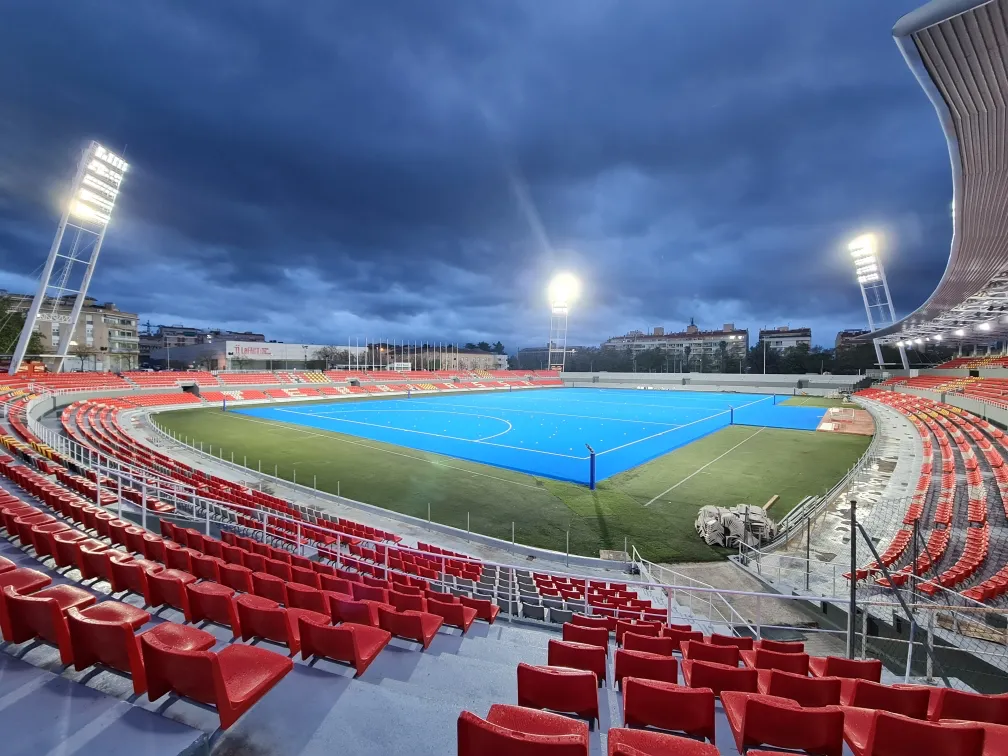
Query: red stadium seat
[90, 560]
[305, 597]
[335, 584]
[178, 559]
[104, 634]
[416, 626]
[806, 691]
[206, 567]
[520, 731]
[700, 651]
[718, 677]
[236, 576]
[485, 610]
[781, 647]
[644, 665]
[64, 546]
[405, 602]
[255, 562]
[584, 620]
[855, 669]
[869, 732]
[456, 615]
[756, 720]
[42, 614]
[678, 636]
[640, 628]
[356, 645]
[623, 742]
[262, 618]
[743, 643]
[130, 575]
[269, 586]
[350, 610]
[635, 642]
[760, 658]
[909, 701]
[213, 602]
[653, 703]
[363, 592]
[948, 703]
[577, 656]
[590, 636]
[232, 680]
[561, 689]
[168, 587]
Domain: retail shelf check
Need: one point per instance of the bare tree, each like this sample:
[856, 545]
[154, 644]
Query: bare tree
[329, 355]
[82, 352]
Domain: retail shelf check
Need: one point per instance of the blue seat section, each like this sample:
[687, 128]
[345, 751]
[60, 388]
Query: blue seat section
[546, 432]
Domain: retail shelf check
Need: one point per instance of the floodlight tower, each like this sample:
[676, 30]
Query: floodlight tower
[874, 290]
[563, 290]
[88, 211]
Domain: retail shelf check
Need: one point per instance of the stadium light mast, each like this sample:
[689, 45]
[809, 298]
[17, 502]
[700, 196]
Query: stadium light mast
[88, 212]
[874, 290]
[563, 290]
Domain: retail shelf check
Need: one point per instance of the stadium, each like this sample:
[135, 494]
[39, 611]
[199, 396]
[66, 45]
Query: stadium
[409, 556]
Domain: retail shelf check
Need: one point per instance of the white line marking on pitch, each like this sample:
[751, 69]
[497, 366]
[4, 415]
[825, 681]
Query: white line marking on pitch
[293, 428]
[701, 469]
[646, 438]
[435, 435]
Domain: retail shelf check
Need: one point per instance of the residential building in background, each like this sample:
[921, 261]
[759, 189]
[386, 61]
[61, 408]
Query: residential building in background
[845, 339]
[105, 338]
[728, 341]
[785, 337]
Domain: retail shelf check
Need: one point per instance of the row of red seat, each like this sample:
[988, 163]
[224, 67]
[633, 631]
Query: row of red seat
[771, 701]
[952, 429]
[166, 658]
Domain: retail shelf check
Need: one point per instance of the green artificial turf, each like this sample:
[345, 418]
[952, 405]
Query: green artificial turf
[652, 506]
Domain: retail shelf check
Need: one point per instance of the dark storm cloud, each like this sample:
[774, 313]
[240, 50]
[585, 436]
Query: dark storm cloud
[324, 170]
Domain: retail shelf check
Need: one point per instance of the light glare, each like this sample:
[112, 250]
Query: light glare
[563, 289]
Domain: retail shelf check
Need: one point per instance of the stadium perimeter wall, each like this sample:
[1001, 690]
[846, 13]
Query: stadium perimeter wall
[792, 385]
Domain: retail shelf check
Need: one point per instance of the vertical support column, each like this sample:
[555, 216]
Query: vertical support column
[852, 607]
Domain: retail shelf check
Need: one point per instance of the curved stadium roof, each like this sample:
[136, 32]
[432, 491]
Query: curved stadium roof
[958, 50]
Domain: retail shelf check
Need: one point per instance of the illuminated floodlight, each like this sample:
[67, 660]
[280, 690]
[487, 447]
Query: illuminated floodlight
[862, 246]
[918, 340]
[563, 289]
[960, 332]
[87, 210]
[938, 337]
[874, 290]
[96, 192]
[984, 326]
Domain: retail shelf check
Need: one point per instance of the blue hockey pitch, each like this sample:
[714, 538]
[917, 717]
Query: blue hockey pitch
[545, 432]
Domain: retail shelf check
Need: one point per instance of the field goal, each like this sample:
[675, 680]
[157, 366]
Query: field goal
[842, 415]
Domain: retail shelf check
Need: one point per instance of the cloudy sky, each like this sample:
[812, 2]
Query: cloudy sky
[322, 170]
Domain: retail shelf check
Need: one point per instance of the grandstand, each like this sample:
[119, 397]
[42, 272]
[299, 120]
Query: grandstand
[158, 597]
